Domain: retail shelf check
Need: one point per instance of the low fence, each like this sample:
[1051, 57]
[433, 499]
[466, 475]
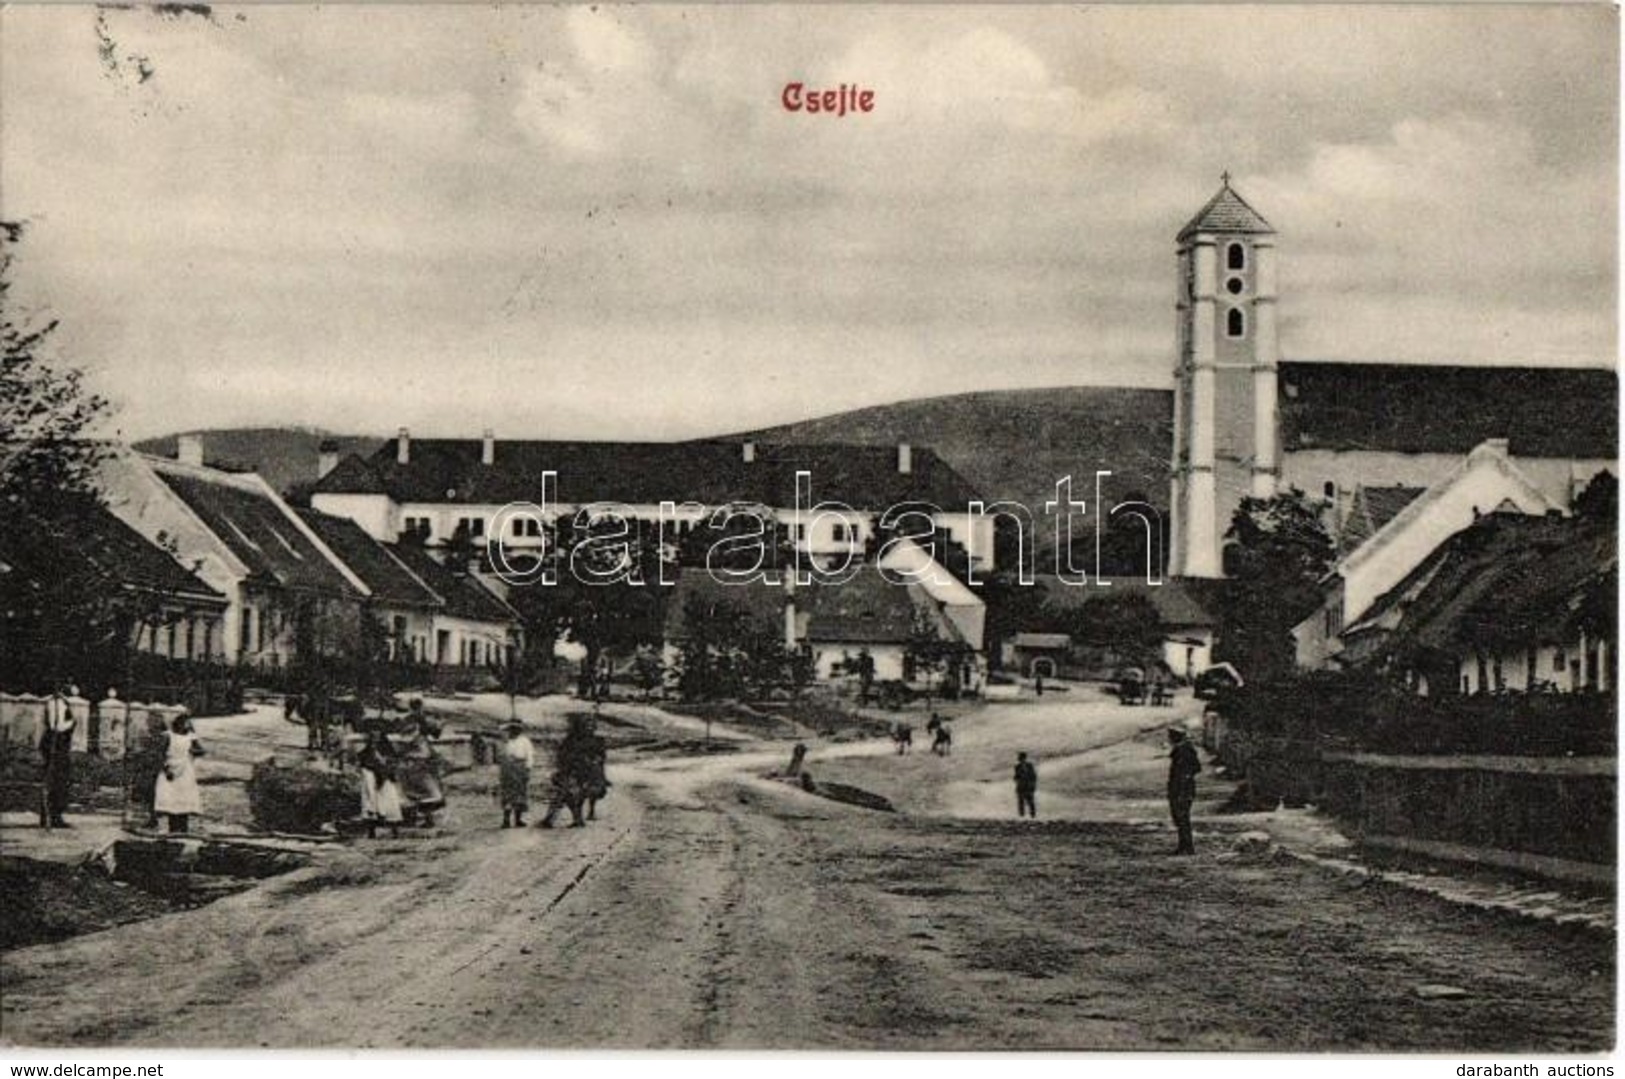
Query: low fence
[1548, 814]
[108, 728]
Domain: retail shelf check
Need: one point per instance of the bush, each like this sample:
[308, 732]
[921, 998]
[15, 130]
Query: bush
[1352, 712]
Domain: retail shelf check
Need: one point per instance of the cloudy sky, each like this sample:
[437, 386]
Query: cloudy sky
[569, 222]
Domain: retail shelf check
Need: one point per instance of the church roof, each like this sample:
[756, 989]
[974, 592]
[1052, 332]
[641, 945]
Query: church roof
[1227, 212]
[1415, 408]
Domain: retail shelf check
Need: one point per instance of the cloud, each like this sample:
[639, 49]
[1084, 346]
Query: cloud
[510, 196]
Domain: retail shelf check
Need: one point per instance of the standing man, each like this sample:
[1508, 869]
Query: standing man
[1026, 787]
[56, 741]
[1182, 768]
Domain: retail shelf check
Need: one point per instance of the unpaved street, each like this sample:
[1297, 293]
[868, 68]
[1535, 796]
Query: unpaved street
[712, 907]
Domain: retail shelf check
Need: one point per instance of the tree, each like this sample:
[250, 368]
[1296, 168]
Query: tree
[608, 615]
[1599, 501]
[1126, 623]
[62, 616]
[1276, 555]
[648, 672]
[46, 413]
[930, 652]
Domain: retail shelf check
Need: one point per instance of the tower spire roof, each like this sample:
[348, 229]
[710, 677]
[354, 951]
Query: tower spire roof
[1226, 212]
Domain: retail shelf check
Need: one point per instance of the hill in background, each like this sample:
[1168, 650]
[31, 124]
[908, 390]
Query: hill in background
[1015, 444]
[1010, 444]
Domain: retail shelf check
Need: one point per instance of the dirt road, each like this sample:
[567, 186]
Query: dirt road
[713, 908]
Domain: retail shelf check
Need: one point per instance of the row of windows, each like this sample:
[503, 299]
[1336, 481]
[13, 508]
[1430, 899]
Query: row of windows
[532, 528]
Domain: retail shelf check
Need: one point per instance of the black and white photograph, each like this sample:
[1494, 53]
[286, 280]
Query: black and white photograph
[835, 528]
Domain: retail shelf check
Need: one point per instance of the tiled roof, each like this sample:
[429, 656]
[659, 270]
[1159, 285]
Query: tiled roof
[352, 475]
[647, 473]
[1226, 212]
[464, 596]
[1406, 408]
[389, 581]
[87, 536]
[258, 528]
[1373, 507]
[868, 609]
[1173, 599]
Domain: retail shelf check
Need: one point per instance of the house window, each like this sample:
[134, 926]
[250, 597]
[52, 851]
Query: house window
[1234, 285]
[418, 526]
[246, 633]
[1235, 257]
[1330, 490]
[842, 533]
[471, 526]
[801, 531]
[1235, 323]
[1560, 662]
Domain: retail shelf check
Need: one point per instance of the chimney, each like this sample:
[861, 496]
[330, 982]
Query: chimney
[488, 447]
[905, 458]
[327, 457]
[403, 447]
[189, 450]
[749, 452]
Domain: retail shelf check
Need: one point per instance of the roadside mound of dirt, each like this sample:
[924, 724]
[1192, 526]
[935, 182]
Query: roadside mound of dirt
[49, 901]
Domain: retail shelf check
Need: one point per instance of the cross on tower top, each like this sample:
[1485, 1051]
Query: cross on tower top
[1224, 177]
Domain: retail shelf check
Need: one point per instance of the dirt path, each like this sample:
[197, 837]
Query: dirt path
[711, 907]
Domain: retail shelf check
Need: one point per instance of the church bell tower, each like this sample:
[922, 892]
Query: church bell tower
[1224, 379]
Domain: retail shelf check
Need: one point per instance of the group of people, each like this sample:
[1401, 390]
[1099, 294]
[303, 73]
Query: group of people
[398, 782]
[1183, 767]
[395, 783]
[165, 776]
[579, 777]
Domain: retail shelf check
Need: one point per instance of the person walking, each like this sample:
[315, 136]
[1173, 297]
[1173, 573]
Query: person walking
[420, 766]
[515, 760]
[56, 763]
[176, 793]
[1026, 787]
[573, 764]
[1183, 766]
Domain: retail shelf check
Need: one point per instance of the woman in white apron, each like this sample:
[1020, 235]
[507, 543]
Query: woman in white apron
[380, 785]
[176, 794]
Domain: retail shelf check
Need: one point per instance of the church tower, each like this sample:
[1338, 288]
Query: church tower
[1224, 378]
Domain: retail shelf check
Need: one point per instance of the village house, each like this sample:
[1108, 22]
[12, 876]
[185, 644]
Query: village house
[431, 614]
[835, 623]
[279, 578]
[438, 488]
[1511, 603]
[1188, 630]
[160, 607]
[1391, 530]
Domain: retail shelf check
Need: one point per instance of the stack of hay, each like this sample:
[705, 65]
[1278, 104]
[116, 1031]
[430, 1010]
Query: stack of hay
[301, 798]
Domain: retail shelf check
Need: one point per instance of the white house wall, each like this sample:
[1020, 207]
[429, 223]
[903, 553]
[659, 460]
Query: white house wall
[1557, 478]
[138, 497]
[1384, 560]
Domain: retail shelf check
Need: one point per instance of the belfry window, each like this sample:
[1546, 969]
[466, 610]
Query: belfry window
[1235, 323]
[1235, 257]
